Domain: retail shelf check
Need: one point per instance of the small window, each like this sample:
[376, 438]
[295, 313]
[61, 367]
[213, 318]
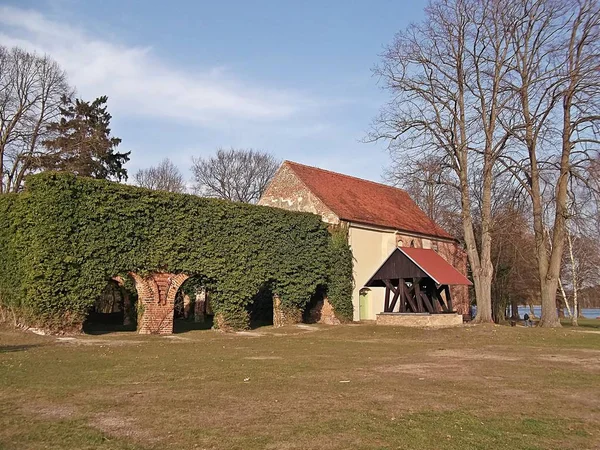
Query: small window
[434, 246]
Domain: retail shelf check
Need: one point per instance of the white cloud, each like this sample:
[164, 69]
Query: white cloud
[138, 83]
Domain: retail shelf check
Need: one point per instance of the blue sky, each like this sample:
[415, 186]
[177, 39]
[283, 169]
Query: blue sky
[186, 77]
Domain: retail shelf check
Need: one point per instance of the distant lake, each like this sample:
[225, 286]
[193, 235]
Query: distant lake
[588, 313]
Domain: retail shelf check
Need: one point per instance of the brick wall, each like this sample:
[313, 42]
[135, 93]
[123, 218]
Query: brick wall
[286, 191]
[156, 300]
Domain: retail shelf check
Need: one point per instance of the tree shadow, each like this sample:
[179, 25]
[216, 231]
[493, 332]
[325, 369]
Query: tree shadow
[184, 325]
[17, 348]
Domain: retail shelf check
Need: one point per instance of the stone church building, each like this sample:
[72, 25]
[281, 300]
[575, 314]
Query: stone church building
[380, 218]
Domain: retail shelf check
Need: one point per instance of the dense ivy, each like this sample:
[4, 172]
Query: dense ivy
[340, 287]
[64, 237]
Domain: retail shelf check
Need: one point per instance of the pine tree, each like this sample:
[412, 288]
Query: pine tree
[83, 144]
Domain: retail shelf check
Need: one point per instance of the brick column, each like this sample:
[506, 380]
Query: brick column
[156, 301]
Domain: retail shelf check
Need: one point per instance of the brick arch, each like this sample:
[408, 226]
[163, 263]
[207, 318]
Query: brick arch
[156, 300]
[175, 284]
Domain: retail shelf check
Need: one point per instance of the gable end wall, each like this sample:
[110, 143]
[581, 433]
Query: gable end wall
[286, 191]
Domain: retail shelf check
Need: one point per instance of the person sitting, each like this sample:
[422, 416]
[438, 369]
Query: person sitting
[527, 320]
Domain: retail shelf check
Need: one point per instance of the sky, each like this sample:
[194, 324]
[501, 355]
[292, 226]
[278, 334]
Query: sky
[183, 78]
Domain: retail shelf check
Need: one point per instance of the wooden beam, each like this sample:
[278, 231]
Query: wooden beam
[402, 296]
[395, 298]
[409, 298]
[448, 297]
[416, 282]
[386, 306]
[427, 302]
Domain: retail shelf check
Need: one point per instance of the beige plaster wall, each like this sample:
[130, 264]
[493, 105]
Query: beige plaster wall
[372, 245]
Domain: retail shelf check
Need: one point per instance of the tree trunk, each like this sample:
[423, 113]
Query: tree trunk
[560, 308]
[514, 309]
[484, 299]
[531, 310]
[549, 316]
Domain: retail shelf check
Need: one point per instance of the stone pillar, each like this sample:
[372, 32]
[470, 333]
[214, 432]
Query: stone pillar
[323, 312]
[284, 316]
[278, 320]
[200, 305]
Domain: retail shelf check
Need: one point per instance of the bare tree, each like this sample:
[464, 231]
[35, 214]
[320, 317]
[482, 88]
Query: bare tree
[166, 176]
[31, 88]
[426, 182]
[446, 76]
[555, 65]
[237, 175]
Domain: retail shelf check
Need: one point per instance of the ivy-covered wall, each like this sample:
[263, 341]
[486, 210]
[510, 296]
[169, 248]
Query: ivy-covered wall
[64, 237]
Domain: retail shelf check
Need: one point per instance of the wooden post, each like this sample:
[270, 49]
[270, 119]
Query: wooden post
[386, 307]
[416, 282]
[448, 297]
[402, 289]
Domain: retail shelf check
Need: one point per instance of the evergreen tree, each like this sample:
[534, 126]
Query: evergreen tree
[82, 143]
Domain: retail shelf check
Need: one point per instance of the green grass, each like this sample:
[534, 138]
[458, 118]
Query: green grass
[353, 386]
[583, 323]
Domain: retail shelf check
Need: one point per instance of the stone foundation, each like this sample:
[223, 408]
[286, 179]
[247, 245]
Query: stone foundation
[420, 320]
[323, 313]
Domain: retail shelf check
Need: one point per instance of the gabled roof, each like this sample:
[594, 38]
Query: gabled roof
[441, 271]
[408, 262]
[357, 200]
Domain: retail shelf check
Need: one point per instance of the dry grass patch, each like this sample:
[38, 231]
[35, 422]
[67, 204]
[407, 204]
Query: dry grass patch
[316, 387]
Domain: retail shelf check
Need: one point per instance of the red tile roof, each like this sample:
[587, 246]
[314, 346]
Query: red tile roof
[357, 200]
[435, 266]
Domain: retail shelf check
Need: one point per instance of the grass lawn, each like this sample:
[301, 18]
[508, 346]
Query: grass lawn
[308, 387]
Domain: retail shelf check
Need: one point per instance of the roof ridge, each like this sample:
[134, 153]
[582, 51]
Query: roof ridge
[287, 161]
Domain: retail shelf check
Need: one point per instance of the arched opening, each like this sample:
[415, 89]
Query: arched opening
[192, 309]
[260, 309]
[314, 309]
[113, 311]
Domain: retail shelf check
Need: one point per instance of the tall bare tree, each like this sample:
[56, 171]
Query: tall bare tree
[31, 88]
[166, 176]
[237, 175]
[446, 77]
[426, 182]
[555, 66]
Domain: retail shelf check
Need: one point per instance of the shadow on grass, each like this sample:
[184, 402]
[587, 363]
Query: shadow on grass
[184, 326]
[17, 348]
[96, 329]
